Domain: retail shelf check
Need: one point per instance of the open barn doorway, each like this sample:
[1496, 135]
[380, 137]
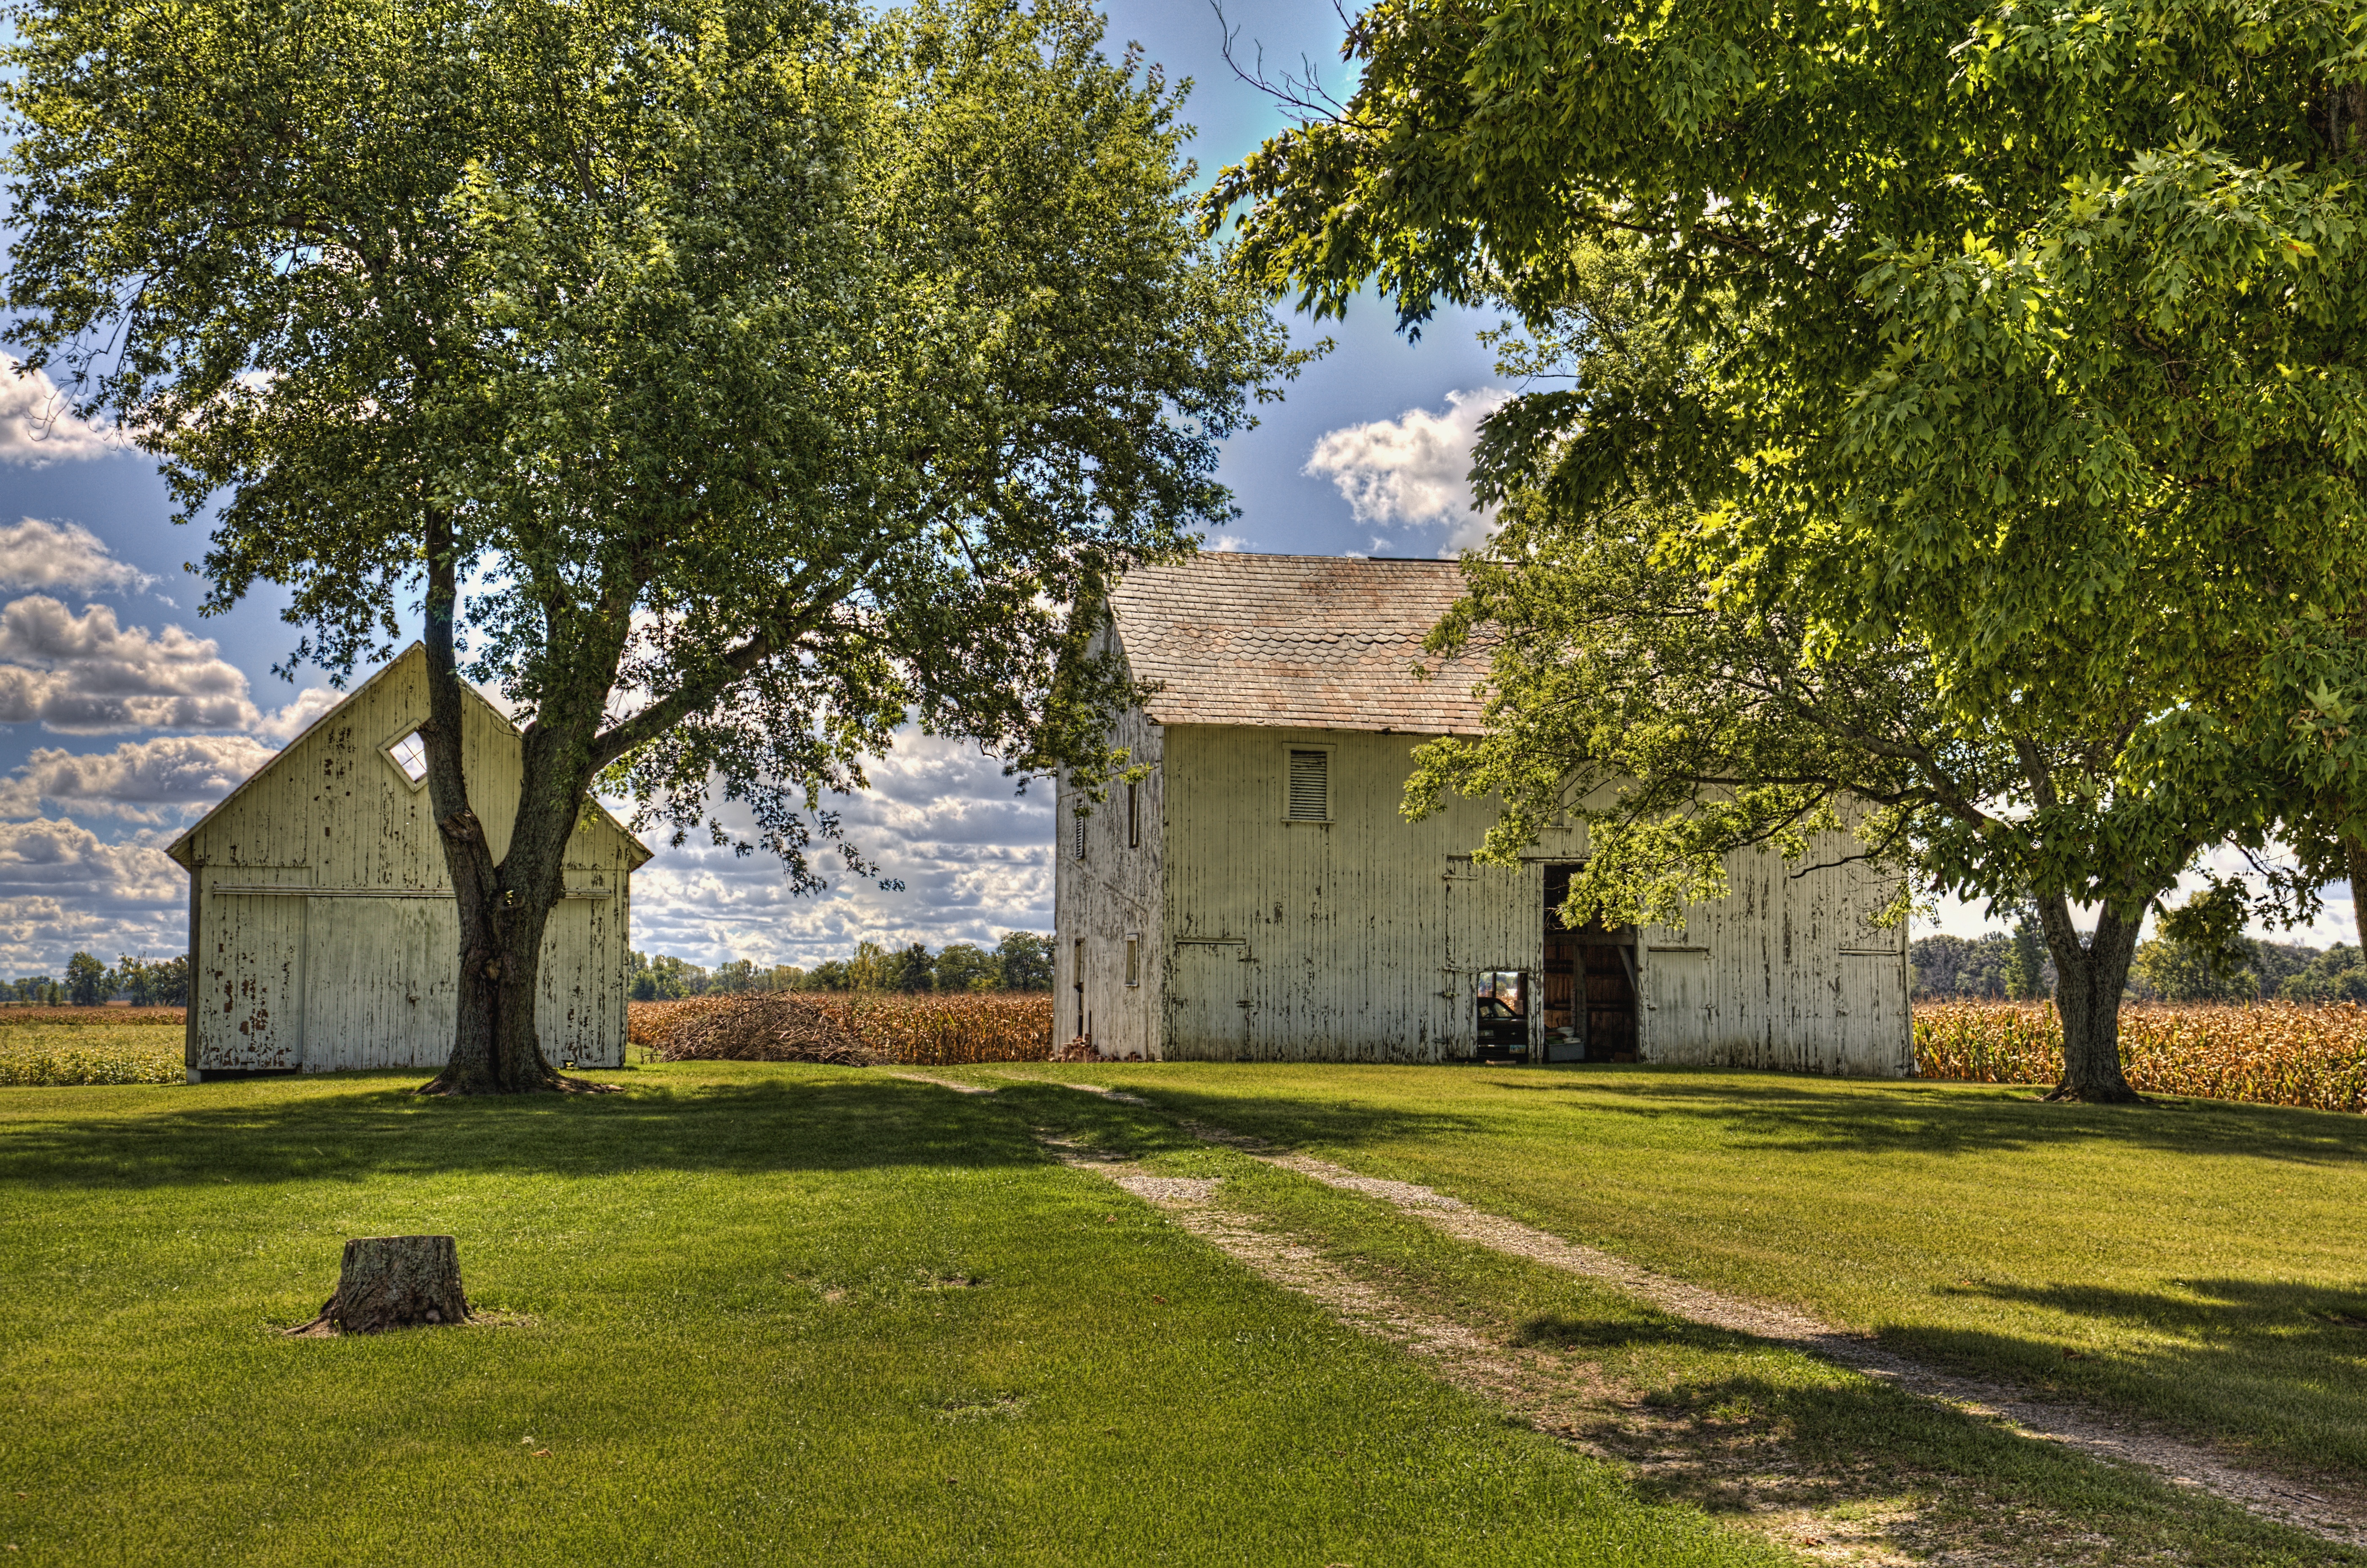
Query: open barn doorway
[1590, 983]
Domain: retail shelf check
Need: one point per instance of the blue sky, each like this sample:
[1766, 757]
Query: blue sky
[123, 714]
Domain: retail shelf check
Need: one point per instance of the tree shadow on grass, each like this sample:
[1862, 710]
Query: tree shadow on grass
[1288, 1120]
[2290, 1358]
[365, 1126]
[1715, 1431]
[1779, 1111]
[1783, 1111]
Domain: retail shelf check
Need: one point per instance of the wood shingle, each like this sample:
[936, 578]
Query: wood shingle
[1297, 641]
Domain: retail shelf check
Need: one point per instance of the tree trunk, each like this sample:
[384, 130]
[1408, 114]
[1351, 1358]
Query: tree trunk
[2354, 856]
[393, 1282]
[2089, 979]
[503, 909]
[495, 1047]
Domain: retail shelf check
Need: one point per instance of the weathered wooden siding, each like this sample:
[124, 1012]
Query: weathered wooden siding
[255, 999]
[1788, 971]
[1359, 939]
[1351, 939]
[1111, 893]
[324, 930]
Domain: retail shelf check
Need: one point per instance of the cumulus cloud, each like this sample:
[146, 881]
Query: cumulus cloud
[284, 724]
[38, 554]
[36, 423]
[976, 860]
[61, 887]
[145, 781]
[1413, 469]
[86, 674]
[1225, 544]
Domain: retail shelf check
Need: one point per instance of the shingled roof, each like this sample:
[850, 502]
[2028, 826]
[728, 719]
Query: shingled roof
[1296, 642]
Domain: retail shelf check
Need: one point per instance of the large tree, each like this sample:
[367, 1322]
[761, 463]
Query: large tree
[2019, 345]
[726, 380]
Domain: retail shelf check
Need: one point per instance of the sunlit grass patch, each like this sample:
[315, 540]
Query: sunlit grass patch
[2196, 1261]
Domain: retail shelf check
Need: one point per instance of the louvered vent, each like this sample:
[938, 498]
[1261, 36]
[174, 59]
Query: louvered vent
[1310, 786]
[1080, 837]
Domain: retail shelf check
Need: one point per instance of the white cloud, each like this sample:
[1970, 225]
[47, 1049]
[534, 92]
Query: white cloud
[36, 426]
[285, 725]
[976, 860]
[87, 675]
[1952, 916]
[145, 781]
[1225, 544]
[63, 888]
[38, 554]
[1413, 469]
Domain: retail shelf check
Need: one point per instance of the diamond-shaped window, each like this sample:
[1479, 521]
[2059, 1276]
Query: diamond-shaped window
[410, 754]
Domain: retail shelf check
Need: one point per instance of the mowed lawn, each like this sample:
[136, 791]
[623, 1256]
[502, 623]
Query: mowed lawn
[2195, 1261]
[741, 1314]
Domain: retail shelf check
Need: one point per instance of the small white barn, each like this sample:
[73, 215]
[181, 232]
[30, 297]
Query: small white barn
[1259, 896]
[323, 931]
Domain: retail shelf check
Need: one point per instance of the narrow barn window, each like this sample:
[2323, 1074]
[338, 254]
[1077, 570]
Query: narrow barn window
[1079, 850]
[410, 754]
[1134, 816]
[1077, 978]
[1133, 960]
[1310, 786]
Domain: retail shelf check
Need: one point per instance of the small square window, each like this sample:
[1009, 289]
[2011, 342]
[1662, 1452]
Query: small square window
[410, 754]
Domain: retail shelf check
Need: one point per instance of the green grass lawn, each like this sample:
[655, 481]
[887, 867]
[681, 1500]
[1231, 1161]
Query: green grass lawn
[2196, 1261]
[744, 1313]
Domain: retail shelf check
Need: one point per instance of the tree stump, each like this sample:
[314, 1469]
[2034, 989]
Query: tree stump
[393, 1282]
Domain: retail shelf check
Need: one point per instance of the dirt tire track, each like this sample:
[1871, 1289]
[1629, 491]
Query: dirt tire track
[1564, 1402]
[2281, 1498]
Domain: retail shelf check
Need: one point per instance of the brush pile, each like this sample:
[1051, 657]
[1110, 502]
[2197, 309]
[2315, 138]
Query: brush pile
[928, 1029]
[754, 1027]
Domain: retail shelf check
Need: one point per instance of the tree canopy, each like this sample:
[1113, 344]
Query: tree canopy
[725, 380]
[2017, 351]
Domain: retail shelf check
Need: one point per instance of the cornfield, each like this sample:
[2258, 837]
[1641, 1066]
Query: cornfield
[2268, 1053]
[923, 1029]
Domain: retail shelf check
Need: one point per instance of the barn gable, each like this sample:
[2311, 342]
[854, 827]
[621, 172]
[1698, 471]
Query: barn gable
[323, 930]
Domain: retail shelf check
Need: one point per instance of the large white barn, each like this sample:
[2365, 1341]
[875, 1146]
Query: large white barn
[323, 931]
[1259, 896]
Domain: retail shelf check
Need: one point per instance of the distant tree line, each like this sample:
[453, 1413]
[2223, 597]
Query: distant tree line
[2004, 966]
[142, 982]
[1022, 961]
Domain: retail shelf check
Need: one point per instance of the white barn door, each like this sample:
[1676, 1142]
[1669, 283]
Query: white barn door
[380, 981]
[251, 982]
[1206, 983]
